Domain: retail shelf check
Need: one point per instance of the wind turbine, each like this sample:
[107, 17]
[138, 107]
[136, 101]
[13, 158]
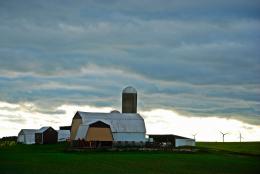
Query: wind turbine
[240, 137]
[194, 136]
[223, 135]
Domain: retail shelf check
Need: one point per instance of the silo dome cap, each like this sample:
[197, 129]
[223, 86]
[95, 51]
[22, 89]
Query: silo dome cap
[130, 89]
[115, 111]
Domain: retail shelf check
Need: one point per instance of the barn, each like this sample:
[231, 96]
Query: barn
[26, 136]
[171, 140]
[114, 128]
[108, 128]
[46, 135]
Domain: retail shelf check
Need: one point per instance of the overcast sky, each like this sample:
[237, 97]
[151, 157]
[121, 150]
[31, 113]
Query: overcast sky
[194, 60]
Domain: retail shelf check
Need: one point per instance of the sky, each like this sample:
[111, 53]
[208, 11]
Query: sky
[195, 64]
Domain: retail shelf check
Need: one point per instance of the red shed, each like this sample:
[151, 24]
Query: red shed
[46, 135]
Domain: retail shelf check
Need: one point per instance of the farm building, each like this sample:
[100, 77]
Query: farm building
[172, 140]
[65, 128]
[63, 135]
[26, 136]
[46, 135]
[114, 128]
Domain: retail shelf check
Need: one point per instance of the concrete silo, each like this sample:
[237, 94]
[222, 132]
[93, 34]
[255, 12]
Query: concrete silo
[129, 100]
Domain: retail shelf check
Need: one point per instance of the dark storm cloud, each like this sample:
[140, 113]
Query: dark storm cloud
[200, 58]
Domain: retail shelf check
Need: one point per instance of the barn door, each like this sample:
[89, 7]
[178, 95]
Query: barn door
[99, 131]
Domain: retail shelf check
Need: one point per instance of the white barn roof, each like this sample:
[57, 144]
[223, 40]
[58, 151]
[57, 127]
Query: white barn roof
[27, 131]
[82, 131]
[119, 122]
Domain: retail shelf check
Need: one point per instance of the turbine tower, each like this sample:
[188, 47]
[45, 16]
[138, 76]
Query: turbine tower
[194, 136]
[223, 135]
[240, 137]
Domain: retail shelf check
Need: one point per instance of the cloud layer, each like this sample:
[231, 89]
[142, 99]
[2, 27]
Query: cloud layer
[158, 121]
[200, 59]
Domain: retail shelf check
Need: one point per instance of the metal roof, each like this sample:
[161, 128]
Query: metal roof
[119, 122]
[42, 129]
[129, 89]
[115, 111]
[27, 131]
[82, 132]
[168, 136]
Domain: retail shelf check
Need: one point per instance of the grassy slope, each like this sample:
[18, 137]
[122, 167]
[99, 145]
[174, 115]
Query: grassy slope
[51, 159]
[252, 148]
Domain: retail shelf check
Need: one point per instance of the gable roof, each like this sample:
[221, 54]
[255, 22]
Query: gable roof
[43, 129]
[27, 131]
[119, 122]
[99, 124]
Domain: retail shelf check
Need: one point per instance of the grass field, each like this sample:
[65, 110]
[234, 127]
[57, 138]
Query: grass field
[252, 148]
[53, 159]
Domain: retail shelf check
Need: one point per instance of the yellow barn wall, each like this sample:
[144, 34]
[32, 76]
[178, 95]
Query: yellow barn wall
[74, 128]
[99, 134]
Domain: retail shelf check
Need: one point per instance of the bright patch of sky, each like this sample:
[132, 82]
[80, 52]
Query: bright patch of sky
[158, 121]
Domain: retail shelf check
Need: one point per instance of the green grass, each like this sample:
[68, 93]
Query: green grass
[251, 148]
[53, 159]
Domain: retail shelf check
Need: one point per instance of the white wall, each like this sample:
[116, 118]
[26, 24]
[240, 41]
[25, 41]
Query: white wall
[129, 137]
[184, 142]
[63, 135]
[29, 139]
[20, 138]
